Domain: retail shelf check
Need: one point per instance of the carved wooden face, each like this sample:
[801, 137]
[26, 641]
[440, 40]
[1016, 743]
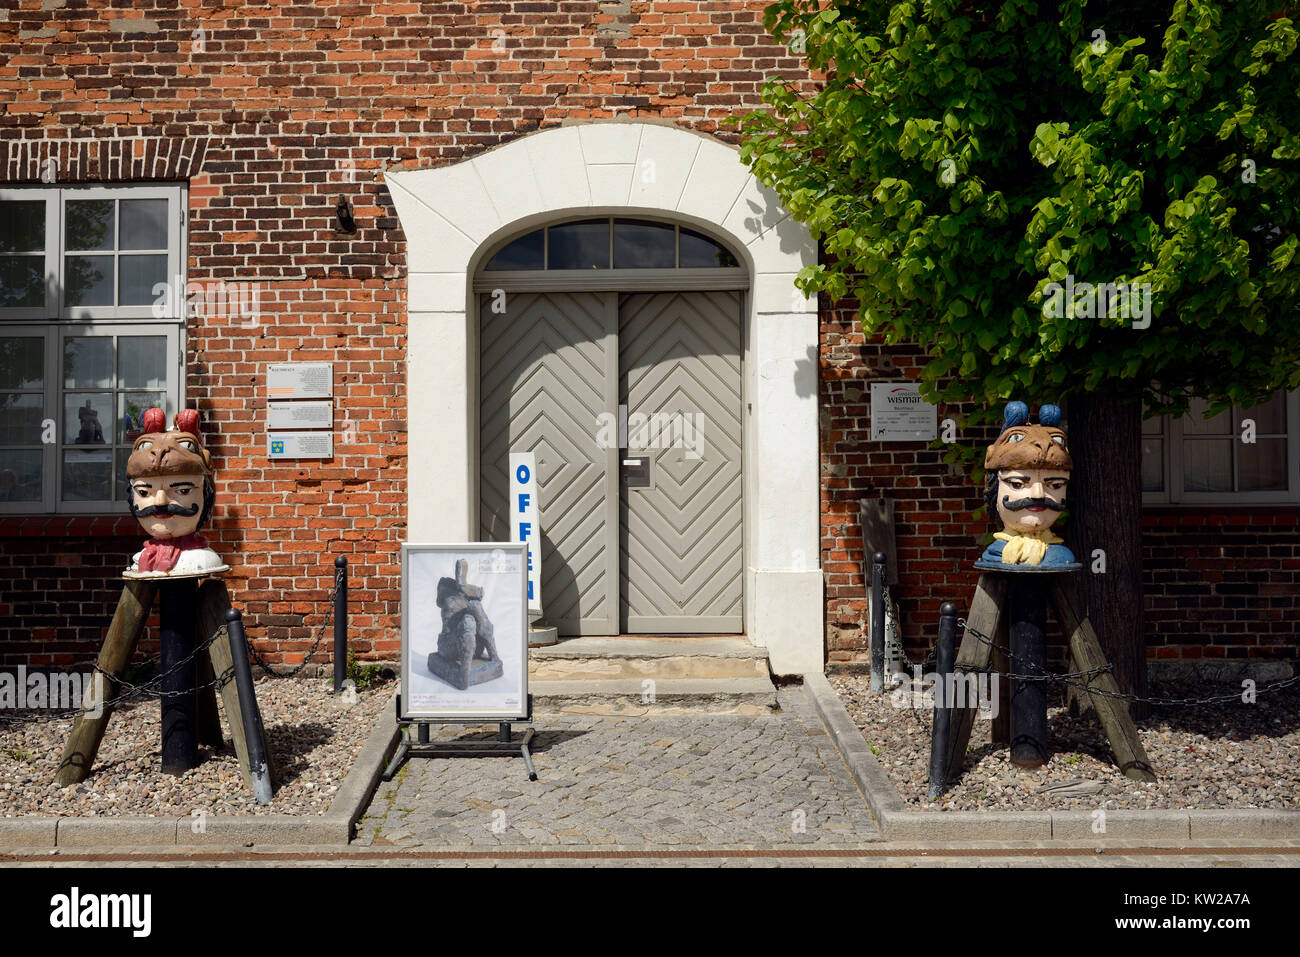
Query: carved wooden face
[1030, 500]
[168, 506]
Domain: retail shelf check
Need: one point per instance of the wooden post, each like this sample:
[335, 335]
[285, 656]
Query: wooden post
[974, 655]
[1085, 655]
[119, 645]
[1000, 732]
[213, 603]
[180, 703]
[1027, 623]
[209, 727]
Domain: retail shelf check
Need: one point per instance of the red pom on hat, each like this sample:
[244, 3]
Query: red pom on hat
[154, 421]
[187, 420]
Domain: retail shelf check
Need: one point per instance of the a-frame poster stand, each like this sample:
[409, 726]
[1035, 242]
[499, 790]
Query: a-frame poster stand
[424, 748]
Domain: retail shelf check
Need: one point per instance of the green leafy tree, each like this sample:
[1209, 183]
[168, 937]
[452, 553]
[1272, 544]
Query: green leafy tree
[961, 157]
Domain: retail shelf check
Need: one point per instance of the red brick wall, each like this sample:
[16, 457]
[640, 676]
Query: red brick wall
[1219, 584]
[285, 107]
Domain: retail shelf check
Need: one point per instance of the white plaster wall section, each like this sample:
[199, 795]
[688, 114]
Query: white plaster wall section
[662, 168]
[438, 483]
[609, 150]
[716, 181]
[433, 242]
[559, 168]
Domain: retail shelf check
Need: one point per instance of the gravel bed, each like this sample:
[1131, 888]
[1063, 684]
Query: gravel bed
[314, 737]
[1226, 755]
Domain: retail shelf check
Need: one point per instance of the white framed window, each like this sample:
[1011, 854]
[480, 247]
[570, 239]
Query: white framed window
[1242, 456]
[86, 341]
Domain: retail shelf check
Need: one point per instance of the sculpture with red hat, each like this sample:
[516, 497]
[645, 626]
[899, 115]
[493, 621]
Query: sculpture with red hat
[170, 493]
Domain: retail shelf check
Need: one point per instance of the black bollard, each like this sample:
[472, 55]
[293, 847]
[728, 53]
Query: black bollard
[878, 623]
[180, 701]
[340, 622]
[1027, 614]
[257, 765]
[945, 659]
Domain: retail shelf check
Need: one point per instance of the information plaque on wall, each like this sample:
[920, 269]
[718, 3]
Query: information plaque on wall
[299, 415]
[300, 445]
[899, 414]
[300, 380]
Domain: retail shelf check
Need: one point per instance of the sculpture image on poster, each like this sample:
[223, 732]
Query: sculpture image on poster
[1028, 473]
[464, 631]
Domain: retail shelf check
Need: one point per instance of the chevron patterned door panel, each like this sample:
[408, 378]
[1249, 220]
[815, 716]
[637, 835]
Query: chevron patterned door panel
[680, 539]
[548, 370]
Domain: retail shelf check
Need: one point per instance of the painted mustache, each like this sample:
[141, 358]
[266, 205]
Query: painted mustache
[1018, 504]
[170, 509]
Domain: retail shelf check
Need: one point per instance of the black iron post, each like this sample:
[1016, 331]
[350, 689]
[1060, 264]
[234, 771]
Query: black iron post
[340, 622]
[1027, 614]
[248, 707]
[180, 702]
[945, 686]
[878, 623]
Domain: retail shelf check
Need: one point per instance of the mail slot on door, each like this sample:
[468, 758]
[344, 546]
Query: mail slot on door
[636, 472]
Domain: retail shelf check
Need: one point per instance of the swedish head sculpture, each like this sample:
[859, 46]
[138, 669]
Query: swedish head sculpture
[467, 654]
[1028, 473]
[171, 491]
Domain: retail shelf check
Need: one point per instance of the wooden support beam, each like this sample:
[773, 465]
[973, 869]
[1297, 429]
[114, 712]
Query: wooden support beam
[1000, 734]
[209, 718]
[214, 602]
[985, 616]
[1085, 655]
[119, 645]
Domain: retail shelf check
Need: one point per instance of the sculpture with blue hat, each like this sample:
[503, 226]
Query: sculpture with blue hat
[1028, 473]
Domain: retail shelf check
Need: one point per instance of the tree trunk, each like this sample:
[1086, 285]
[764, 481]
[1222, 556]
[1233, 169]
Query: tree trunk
[1105, 503]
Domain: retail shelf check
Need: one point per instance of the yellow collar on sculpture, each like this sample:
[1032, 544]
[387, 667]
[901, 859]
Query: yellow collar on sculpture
[1027, 549]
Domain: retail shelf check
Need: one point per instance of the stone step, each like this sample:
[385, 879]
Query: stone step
[660, 658]
[639, 697]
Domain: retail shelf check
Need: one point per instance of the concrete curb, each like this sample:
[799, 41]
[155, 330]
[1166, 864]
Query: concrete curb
[897, 823]
[333, 828]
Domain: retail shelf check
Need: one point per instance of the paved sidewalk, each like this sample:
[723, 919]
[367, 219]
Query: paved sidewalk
[623, 783]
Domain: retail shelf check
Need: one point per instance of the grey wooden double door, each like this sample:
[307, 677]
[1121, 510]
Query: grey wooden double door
[622, 553]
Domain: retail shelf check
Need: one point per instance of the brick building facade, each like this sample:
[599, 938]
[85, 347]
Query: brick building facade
[263, 118]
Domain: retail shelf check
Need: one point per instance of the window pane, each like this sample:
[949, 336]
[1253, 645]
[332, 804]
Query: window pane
[88, 280]
[20, 418]
[20, 475]
[700, 252]
[1153, 467]
[138, 275]
[642, 245]
[131, 407]
[1207, 465]
[583, 245]
[87, 476]
[1154, 425]
[88, 362]
[1269, 417]
[1195, 423]
[523, 253]
[120, 485]
[142, 362]
[22, 362]
[1261, 466]
[84, 417]
[89, 224]
[22, 282]
[144, 224]
[22, 226]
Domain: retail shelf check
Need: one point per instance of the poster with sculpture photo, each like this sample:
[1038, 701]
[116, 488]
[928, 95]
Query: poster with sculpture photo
[464, 631]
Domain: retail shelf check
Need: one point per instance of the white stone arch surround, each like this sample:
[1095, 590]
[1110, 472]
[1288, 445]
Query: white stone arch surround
[452, 216]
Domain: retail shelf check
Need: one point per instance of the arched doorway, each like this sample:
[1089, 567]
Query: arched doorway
[611, 348]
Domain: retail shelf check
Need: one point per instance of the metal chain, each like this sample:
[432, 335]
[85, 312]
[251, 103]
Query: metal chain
[320, 635]
[1064, 678]
[149, 686]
